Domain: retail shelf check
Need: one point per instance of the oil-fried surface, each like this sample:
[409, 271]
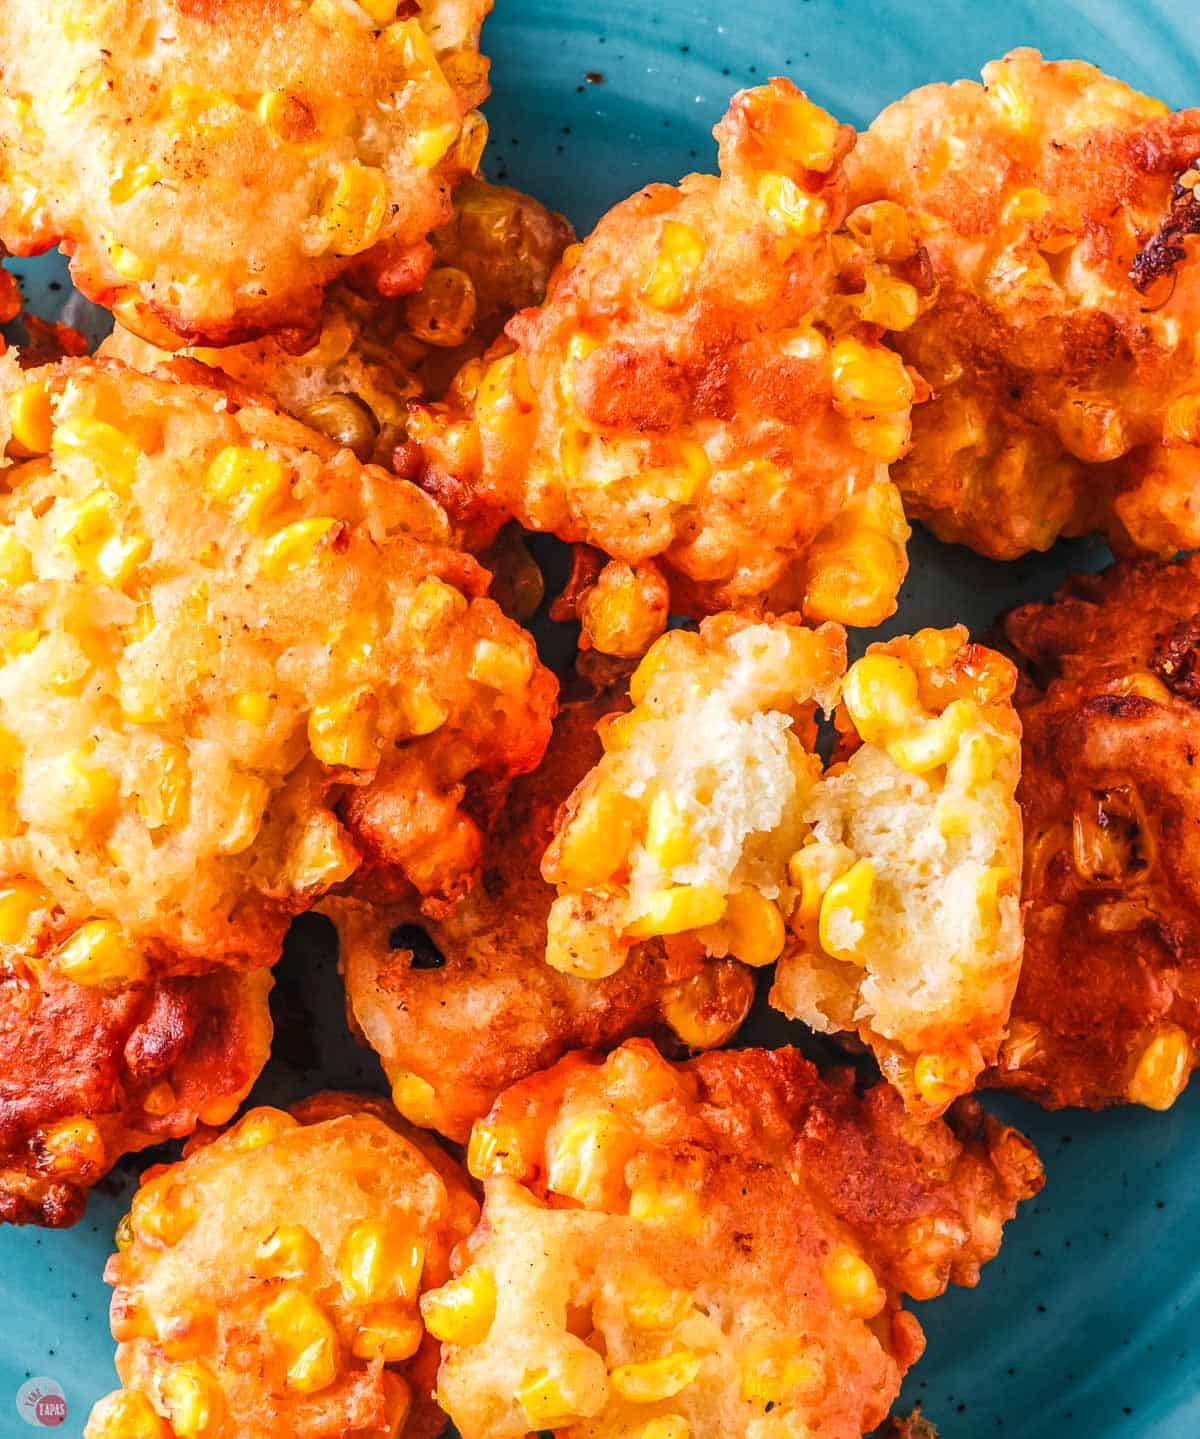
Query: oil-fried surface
[714, 1248]
[267, 1285]
[461, 1007]
[210, 165]
[1056, 208]
[1108, 1007]
[703, 392]
[88, 1074]
[238, 666]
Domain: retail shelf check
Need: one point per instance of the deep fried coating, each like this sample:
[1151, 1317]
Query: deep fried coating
[461, 1007]
[267, 1285]
[88, 1074]
[885, 885]
[374, 355]
[1056, 208]
[710, 1249]
[703, 391]
[237, 667]
[908, 1426]
[1108, 1007]
[210, 165]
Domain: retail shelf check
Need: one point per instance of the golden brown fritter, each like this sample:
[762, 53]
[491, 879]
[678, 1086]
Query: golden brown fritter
[709, 1249]
[88, 1073]
[1056, 209]
[237, 667]
[459, 1008]
[884, 885]
[494, 257]
[703, 395]
[210, 165]
[267, 1285]
[1108, 1007]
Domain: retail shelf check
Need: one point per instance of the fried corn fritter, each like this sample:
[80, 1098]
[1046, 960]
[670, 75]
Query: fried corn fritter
[1108, 1007]
[709, 1249]
[461, 1007]
[90, 1073]
[703, 396]
[237, 666]
[210, 167]
[267, 1284]
[885, 886]
[1057, 208]
[374, 355]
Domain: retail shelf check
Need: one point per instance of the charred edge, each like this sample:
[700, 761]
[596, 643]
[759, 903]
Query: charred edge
[1165, 249]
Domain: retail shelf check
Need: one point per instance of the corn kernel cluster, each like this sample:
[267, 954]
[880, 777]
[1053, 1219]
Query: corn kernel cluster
[249, 1321]
[885, 885]
[210, 173]
[235, 661]
[648, 1268]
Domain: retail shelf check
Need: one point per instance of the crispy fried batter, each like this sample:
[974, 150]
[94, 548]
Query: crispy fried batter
[1108, 1007]
[1056, 208]
[237, 666]
[725, 1242]
[210, 165]
[493, 258]
[88, 1074]
[267, 1285]
[885, 886]
[460, 1008]
[703, 390]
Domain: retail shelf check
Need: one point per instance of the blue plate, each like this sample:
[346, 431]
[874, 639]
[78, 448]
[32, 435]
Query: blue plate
[1085, 1326]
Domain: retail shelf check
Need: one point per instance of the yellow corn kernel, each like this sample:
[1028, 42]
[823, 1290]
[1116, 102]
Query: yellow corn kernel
[415, 1098]
[388, 1332]
[503, 667]
[868, 380]
[160, 1100]
[111, 453]
[382, 12]
[428, 146]
[588, 1158]
[98, 954]
[31, 421]
[408, 46]
[654, 1305]
[442, 312]
[246, 798]
[676, 265]
[852, 1284]
[889, 303]
[294, 545]
[656, 1379]
[802, 131]
[660, 1199]
[423, 711]
[1181, 423]
[305, 1338]
[260, 1127]
[253, 706]
[19, 905]
[940, 1078]
[552, 1401]
[345, 731]
[16, 563]
[842, 921]
[288, 1252]
[880, 693]
[128, 263]
[1162, 1069]
[322, 856]
[752, 928]
[434, 605]
[164, 797]
[20, 641]
[462, 1310]
[73, 1146]
[987, 900]
[377, 1263]
[935, 742]
[670, 839]
[144, 699]
[675, 910]
[162, 1213]
[131, 179]
[597, 839]
[494, 1149]
[248, 480]
[193, 1400]
[353, 215]
[706, 1009]
[812, 870]
[1008, 95]
[884, 438]
[775, 1373]
[666, 1426]
[127, 1414]
[473, 134]
[791, 206]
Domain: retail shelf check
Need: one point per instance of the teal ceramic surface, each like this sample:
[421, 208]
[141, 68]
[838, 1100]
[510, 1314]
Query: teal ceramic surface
[1089, 1322]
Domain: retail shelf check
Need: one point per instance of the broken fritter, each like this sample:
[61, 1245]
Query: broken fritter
[88, 1073]
[1108, 1007]
[709, 1249]
[1058, 211]
[374, 355]
[460, 1007]
[884, 886]
[237, 667]
[268, 1284]
[703, 395]
[210, 168]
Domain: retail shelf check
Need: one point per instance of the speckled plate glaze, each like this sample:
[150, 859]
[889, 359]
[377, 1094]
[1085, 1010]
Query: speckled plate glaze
[1086, 1325]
